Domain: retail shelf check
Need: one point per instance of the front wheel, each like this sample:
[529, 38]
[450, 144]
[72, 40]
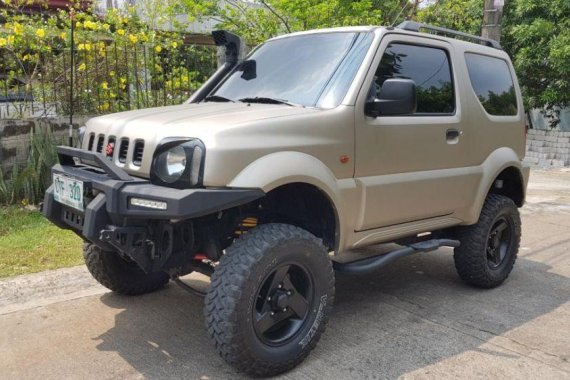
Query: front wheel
[489, 248]
[269, 299]
[119, 275]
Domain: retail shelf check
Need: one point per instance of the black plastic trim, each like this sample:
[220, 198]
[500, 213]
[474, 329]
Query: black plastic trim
[232, 44]
[118, 187]
[66, 157]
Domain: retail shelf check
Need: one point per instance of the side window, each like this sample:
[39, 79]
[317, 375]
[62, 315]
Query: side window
[428, 67]
[492, 82]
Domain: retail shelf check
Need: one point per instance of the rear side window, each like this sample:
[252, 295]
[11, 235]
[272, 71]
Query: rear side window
[492, 82]
[428, 67]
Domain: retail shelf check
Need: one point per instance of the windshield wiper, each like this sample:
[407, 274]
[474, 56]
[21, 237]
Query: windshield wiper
[266, 100]
[217, 98]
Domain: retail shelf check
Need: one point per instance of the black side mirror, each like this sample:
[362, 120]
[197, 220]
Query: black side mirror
[397, 97]
[249, 69]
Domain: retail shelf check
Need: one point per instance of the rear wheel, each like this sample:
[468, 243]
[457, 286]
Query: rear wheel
[119, 275]
[489, 248]
[269, 299]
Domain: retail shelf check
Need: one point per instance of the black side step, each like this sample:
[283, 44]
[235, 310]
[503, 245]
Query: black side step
[372, 263]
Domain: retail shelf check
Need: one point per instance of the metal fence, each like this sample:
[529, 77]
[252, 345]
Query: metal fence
[106, 76]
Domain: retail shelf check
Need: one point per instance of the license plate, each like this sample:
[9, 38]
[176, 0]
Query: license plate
[68, 191]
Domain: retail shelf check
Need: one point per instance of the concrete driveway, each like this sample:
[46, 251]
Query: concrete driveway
[412, 320]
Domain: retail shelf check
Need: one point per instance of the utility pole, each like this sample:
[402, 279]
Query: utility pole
[492, 19]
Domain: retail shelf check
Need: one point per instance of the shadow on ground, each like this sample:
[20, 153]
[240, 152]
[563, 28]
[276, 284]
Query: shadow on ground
[399, 319]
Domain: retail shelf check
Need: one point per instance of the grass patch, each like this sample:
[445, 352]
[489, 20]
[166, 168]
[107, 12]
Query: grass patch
[29, 243]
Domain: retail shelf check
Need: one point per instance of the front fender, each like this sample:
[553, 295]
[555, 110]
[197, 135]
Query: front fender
[282, 168]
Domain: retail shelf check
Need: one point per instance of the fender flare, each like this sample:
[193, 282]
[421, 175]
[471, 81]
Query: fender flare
[493, 165]
[282, 168]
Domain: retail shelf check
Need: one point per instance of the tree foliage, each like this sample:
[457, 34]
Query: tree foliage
[264, 19]
[463, 15]
[536, 34]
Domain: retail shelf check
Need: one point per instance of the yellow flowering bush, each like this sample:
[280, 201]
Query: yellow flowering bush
[86, 46]
[18, 29]
[133, 38]
[120, 63]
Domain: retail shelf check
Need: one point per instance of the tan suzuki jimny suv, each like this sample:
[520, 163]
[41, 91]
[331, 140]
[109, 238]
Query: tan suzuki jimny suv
[315, 144]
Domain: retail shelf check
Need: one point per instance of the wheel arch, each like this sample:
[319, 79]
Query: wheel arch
[303, 174]
[511, 185]
[502, 165]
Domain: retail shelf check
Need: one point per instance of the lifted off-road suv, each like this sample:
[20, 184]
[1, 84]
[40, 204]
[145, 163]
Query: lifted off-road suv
[317, 143]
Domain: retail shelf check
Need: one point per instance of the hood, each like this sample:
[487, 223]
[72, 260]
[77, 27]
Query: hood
[137, 133]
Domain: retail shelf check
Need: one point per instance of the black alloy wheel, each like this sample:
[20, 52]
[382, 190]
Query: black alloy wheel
[499, 242]
[489, 248]
[282, 304]
[269, 299]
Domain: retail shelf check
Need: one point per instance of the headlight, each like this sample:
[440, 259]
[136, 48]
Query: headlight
[170, 165]
[178, 163]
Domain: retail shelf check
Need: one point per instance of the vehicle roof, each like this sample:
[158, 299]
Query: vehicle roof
[372, 28]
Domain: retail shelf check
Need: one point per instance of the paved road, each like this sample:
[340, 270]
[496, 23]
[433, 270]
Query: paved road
[413, 320]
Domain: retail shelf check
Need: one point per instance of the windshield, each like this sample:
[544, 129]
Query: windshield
[300, 70]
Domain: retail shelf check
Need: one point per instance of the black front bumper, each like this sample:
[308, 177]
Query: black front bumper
[108, 190]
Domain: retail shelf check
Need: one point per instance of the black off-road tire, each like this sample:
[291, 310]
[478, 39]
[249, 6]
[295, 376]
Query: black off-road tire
[118, 275]
[234, 294]
[471, 258]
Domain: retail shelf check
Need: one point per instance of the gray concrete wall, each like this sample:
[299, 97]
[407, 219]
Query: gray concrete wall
[548, 149]
[539, 121]
[15, 138]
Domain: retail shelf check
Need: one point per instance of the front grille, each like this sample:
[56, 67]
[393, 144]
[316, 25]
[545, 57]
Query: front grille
[111, 141]
[100, 143]
[91, 141]
[138, 153]
[123, 149]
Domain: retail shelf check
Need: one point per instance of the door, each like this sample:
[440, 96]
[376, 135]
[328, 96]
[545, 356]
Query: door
[412, 167]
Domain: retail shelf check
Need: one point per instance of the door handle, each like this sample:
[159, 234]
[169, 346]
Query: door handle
[452, 135]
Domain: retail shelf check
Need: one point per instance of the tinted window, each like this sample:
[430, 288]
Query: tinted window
[295, 69]
[428, 67]
[491, 79]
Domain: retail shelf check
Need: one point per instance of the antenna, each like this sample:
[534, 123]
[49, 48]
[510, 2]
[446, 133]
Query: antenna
[72, 73]
[399, 14]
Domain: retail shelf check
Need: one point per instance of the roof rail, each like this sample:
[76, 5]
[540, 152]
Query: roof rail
[414, 26]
